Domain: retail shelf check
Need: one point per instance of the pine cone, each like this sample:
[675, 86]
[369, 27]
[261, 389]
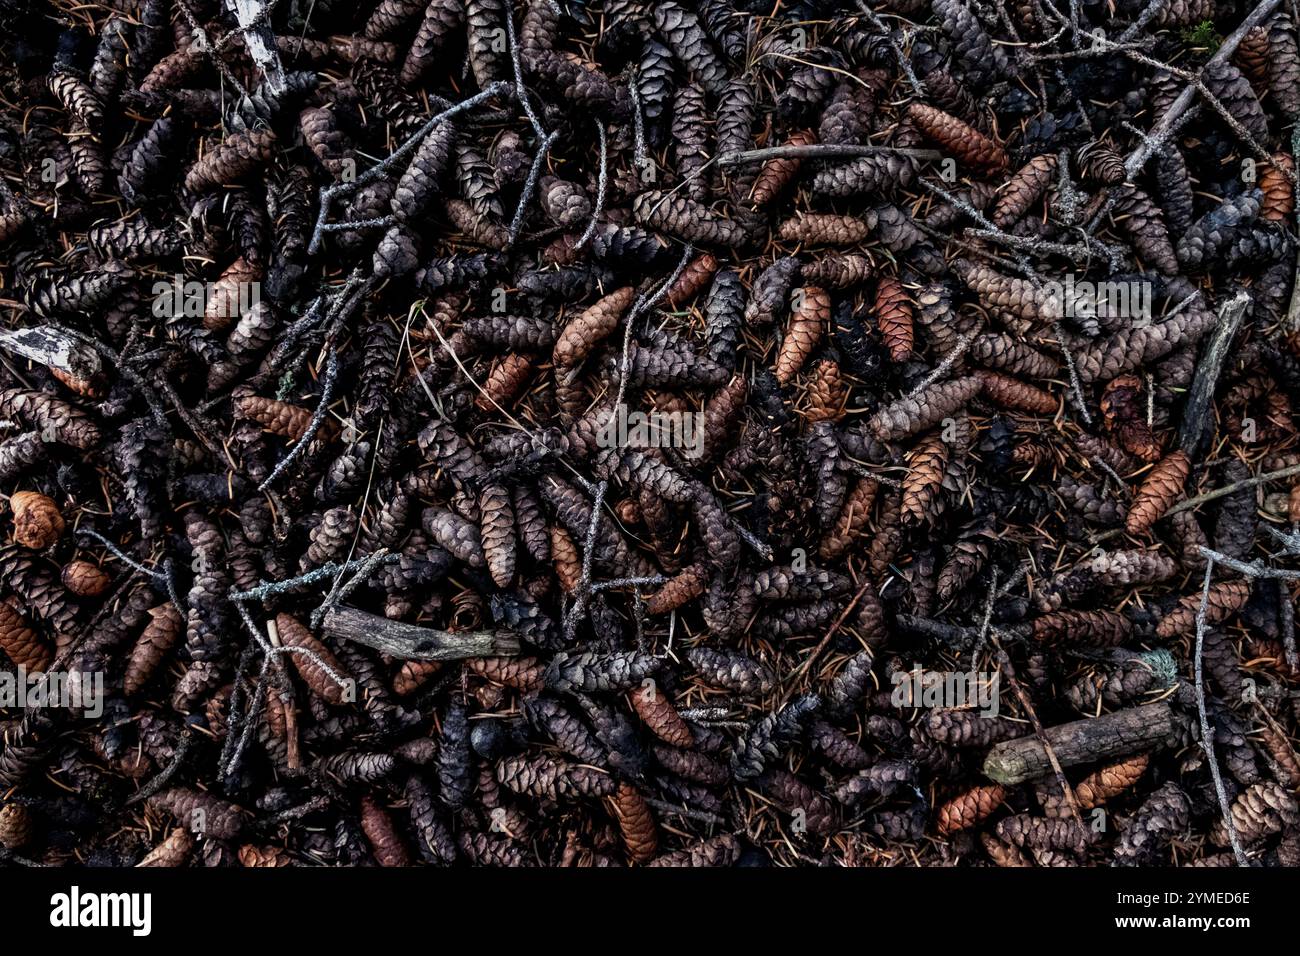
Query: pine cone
[240, 155]
[1160, 489]
[909, 415]
[731, 671]
[824, 229]
[316, 664]
[636, 822]
[969, 809]
[200, 813]
[967, 144]
[22, 644]
[37, 521]
[807, 325]
[776, 174]
[1023, 189]
[685, 219]
[1225, 599]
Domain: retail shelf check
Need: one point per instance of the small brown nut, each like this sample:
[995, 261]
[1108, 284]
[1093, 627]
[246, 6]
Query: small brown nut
[85, 579]
[37, 522]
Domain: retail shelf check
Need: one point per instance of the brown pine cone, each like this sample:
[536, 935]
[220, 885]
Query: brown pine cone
[21, 643]
[1225, 599]
[1100, 628]
[85, 579]
[776, 174]
[927, 464]
[151, 647]
[969, 809]
[315, 669]
[658, 713]
[807, 325]
[567, 561]
[587, 330]
[382, 834]
[1095, 789]
[524, 674]
[1159, 491]
[1252, 57]
[1022, 190]
[37, 521]
[173, 851]
[241, 154]
[824, 229]
[200, 813]
[637, 823]
[695, 277]
[507, 377]
[893, 310]
[853, 520]
[1279, 194]
[911, 414]
[1008, 392]
[969, 145]
[279, 418]
[827, 393]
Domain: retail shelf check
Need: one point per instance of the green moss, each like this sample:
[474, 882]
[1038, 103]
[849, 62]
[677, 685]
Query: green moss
[1203, 35]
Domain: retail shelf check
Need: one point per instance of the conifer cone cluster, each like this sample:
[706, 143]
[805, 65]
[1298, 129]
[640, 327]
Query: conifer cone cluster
[721, 449]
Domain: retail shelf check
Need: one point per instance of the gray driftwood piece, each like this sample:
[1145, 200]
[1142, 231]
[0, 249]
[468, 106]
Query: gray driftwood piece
[1119, 734]
[411, 643]
[1200, 397]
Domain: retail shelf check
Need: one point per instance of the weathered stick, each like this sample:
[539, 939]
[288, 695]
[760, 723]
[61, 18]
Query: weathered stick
[412, 643]
[260, 42]
[1082, 741]
[820, 151]
[54, 349]
[1200, 397]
